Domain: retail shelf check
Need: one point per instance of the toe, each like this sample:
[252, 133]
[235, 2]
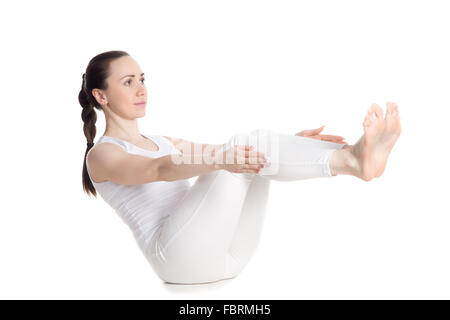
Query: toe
[374, 116]
[379, 111]
[394, 109]
[388, 110]
[375, 111]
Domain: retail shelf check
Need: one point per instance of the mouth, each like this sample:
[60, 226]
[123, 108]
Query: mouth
[143, 103]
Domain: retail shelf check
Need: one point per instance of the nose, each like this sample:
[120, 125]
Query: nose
[141, 90]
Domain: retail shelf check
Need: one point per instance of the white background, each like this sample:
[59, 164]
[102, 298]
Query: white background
[214, 68]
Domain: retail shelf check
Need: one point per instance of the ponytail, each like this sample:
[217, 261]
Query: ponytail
[95, 77]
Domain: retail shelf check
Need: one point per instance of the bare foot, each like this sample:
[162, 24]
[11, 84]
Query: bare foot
[380, 134]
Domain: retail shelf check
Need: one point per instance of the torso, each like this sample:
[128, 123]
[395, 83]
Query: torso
[145, 143]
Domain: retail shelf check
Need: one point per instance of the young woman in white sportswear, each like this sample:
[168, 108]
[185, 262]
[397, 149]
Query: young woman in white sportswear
[208, 231]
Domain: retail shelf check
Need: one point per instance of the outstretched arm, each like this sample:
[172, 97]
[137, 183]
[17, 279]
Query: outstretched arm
[244, 160]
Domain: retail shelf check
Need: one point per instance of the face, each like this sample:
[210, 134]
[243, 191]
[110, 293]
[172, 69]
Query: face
[126, 88]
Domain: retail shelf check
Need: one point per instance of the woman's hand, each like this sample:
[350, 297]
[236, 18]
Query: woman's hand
[314, 133]
[241, 159]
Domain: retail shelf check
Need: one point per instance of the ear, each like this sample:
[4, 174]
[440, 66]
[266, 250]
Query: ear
[99, 96]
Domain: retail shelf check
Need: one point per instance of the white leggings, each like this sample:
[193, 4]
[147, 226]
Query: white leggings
[216, 227]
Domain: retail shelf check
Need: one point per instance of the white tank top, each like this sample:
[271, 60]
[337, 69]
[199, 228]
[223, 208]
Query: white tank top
[143, 207]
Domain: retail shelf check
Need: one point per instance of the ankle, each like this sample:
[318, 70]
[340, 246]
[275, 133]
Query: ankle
[352, 161]
[344, 161]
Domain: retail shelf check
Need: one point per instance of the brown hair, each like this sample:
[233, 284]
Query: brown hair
[96, 74]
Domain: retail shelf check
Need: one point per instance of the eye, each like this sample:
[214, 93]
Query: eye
[143, 79]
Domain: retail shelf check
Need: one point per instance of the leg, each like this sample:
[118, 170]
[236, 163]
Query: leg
[291, 157]
[366, 159]
[296, 157]
[191, 245]
[248, 231]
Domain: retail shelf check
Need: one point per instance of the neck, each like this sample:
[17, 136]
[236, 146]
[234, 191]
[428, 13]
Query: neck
[124, 129]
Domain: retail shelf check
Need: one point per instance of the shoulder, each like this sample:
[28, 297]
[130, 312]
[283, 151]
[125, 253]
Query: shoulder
[104, 150]
[101, 156]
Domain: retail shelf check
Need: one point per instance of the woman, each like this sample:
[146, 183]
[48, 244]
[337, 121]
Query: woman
[208, 231]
